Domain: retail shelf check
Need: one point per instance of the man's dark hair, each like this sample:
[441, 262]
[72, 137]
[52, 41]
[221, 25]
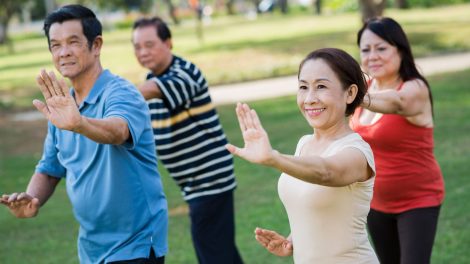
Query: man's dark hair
[163, 32]
[90, 24]
[346, 69]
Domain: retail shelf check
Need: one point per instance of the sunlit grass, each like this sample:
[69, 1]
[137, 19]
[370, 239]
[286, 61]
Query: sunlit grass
[50, 237]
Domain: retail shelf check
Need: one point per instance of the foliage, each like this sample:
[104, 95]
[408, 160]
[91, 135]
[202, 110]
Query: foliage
[270, 46]
[7, 9]
[349, 5]
[431, 3]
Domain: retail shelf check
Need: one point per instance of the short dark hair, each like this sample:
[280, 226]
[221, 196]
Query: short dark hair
[346, 69]
[390, 31]
[90, 24]
[163, 31]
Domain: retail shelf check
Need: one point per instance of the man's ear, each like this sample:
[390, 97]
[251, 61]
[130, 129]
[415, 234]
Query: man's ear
[97, 44]
[351, 93]
[169, 43]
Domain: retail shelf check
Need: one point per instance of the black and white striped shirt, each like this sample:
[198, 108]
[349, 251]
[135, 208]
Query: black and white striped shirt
[188, 136]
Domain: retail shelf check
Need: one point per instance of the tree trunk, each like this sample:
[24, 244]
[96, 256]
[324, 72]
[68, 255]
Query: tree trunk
[256, 3]
[230, 9]
[371, 8]
[284, 6]
[317, 5]
[401, 4]
[4, 20]
[172, 10]
[3, 33]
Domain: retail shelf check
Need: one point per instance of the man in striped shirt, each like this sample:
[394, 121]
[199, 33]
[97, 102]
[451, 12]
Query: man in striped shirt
[189, 141]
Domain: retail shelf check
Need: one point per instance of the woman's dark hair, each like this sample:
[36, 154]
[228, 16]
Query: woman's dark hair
[163, 32]
[390, 31]
[90, 24]
[346, 69]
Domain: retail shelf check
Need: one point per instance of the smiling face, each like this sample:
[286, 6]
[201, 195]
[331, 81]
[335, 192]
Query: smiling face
[70, 52]
[151, 52]
[379, 58]
[321, 97]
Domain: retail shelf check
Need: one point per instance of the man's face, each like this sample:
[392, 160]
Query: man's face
[69, 47]
[151, 52]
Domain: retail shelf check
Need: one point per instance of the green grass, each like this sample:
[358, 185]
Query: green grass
[50, 237]
[235, 49]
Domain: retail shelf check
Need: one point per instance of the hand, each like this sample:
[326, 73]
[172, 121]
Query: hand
[274, 243]
[257, 148]
[60, 107]
[21, 205]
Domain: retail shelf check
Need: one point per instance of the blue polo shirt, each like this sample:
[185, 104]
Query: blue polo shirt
[115, 190]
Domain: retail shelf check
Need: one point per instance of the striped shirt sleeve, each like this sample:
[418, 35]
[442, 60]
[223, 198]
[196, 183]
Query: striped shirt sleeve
[181, 85]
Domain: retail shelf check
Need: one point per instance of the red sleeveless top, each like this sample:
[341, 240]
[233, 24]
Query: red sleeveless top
[408, 175]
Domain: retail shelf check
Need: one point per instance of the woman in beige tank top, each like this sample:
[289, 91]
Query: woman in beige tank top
[326, 187]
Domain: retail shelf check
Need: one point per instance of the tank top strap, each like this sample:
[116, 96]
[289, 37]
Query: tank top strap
[369, 82]
[400, 85]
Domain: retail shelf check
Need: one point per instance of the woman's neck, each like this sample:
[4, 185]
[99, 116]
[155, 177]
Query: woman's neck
[333, 133]
[386, 83]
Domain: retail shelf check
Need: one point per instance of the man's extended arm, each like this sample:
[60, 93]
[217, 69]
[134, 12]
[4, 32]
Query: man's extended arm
[150, 89]
[26, 204]
[61, 110]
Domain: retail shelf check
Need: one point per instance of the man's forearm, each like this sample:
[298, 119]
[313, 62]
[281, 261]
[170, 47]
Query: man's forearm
[113, 130]
[150, 90]
[42, 186]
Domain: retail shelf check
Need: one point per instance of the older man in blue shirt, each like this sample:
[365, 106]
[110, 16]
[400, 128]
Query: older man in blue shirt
[100, 140]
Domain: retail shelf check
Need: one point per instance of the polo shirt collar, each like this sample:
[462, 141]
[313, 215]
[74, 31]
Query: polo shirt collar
[97, 88]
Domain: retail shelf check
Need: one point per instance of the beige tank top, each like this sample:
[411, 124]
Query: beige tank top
[328, 224]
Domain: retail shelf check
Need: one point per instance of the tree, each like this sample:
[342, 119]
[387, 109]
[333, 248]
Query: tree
[317, 4]
[371, 8]
[401, 4]
[172, 11]
[8, 8]
[229, 4]
[283, 5]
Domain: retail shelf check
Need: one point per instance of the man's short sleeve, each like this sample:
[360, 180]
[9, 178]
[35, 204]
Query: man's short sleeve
[126, 102]
[49, 163]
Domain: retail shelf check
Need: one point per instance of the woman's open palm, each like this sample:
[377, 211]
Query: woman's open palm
[257, 148]
[274, 243]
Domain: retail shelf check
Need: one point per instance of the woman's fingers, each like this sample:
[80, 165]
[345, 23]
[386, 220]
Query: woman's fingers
[240, 116]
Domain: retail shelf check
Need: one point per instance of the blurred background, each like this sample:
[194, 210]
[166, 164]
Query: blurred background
[230, 40]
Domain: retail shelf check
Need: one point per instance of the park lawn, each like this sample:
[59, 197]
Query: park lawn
[236, 49]
[51, 236]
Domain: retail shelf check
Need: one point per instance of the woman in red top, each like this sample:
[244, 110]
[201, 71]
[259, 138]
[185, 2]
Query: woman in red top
[396, 119]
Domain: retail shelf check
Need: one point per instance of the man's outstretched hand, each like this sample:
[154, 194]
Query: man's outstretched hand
[21, 205]
[60, 107]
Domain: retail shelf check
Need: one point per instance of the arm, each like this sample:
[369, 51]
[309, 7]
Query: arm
[26, 204]
[176, 88]
[408, 101]
[112, 130]
[150, 89]
[60, 109]
[342, 169]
